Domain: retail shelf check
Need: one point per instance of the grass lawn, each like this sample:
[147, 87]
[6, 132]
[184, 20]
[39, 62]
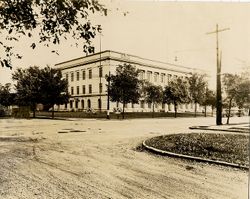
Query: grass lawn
[224, 147]
[128, 115]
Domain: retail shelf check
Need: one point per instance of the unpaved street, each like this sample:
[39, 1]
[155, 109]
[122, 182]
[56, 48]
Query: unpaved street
[98, 159]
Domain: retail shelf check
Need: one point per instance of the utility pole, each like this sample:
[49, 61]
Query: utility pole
[100, 75]
[218, 78]
[108, 79]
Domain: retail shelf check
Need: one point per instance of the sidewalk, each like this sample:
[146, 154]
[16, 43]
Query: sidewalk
[235, 126]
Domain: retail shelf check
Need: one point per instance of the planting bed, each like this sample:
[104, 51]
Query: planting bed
[221, 147]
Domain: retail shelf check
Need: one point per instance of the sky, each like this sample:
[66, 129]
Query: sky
[173, 32]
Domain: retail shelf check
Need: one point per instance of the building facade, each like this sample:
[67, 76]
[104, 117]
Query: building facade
[88, 85]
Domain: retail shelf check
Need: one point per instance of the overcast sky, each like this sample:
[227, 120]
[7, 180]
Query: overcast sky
[161, 31]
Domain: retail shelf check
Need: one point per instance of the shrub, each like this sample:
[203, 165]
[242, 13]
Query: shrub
[21, 112]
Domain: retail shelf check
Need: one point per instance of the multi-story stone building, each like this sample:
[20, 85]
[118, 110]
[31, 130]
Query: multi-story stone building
[88, 86]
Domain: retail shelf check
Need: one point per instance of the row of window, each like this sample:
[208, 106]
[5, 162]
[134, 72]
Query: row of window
[83, 74]
[142, 104]
[84, 91]
[157, 76]
[82, 104]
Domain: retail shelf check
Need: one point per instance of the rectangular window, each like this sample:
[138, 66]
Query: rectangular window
[90, 73]
[67, 77]
[83, 89]
[142, 74]
[149, 75]
[169, 77]
[72, 90]
[162, 78]
[83, 74]
[100, 72]
[72, 77]
[156, 76]
[77, 76]
[142, 104]
[149, 105]
[90, 88]
[77, 90]
[100, 87]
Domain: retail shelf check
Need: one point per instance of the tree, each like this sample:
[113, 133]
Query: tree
[176, 93]
[231, 86]
[209, 100]
[124, 85]
[50, 21]
[197, 87]
[6, 97]
[242, 98]
[153, 95]
[46, 86]
[53, 87]
[28, 87]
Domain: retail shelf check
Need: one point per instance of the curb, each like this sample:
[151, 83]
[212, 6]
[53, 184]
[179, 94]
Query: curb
[199, 159]
[213, 129]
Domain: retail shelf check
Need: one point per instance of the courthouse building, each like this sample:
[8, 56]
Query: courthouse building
[88, 86]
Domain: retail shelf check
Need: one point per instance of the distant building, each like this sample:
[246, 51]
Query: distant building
[88, 86]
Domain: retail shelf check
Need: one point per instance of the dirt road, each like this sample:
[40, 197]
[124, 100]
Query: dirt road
[98, 159]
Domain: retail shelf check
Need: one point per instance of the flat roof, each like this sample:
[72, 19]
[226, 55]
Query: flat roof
[109, 54]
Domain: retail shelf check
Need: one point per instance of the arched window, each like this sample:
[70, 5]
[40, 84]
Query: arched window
[89, 103]
[163, 106]
[142, 103]
[169, 107]
[99, 103]
[76, 103]
[71, 103]
[82, 102]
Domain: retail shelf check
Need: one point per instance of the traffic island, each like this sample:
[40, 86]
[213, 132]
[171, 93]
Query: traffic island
[224, 149]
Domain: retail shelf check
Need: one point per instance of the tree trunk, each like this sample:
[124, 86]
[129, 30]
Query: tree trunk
[175, 110]
[153, 110]
[239, 112]
[123, 106]
[195, 109]
[205, 111]
[34, 110]
[229, 110]
[212, 111]
[53, 112]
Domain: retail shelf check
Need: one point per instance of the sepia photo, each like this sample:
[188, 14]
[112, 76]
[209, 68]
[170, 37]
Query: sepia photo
[124, 99]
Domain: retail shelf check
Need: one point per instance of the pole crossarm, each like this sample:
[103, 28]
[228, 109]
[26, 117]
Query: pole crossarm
[217, 31]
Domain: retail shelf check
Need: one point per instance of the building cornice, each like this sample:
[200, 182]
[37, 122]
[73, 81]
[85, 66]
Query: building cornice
[128, 58]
